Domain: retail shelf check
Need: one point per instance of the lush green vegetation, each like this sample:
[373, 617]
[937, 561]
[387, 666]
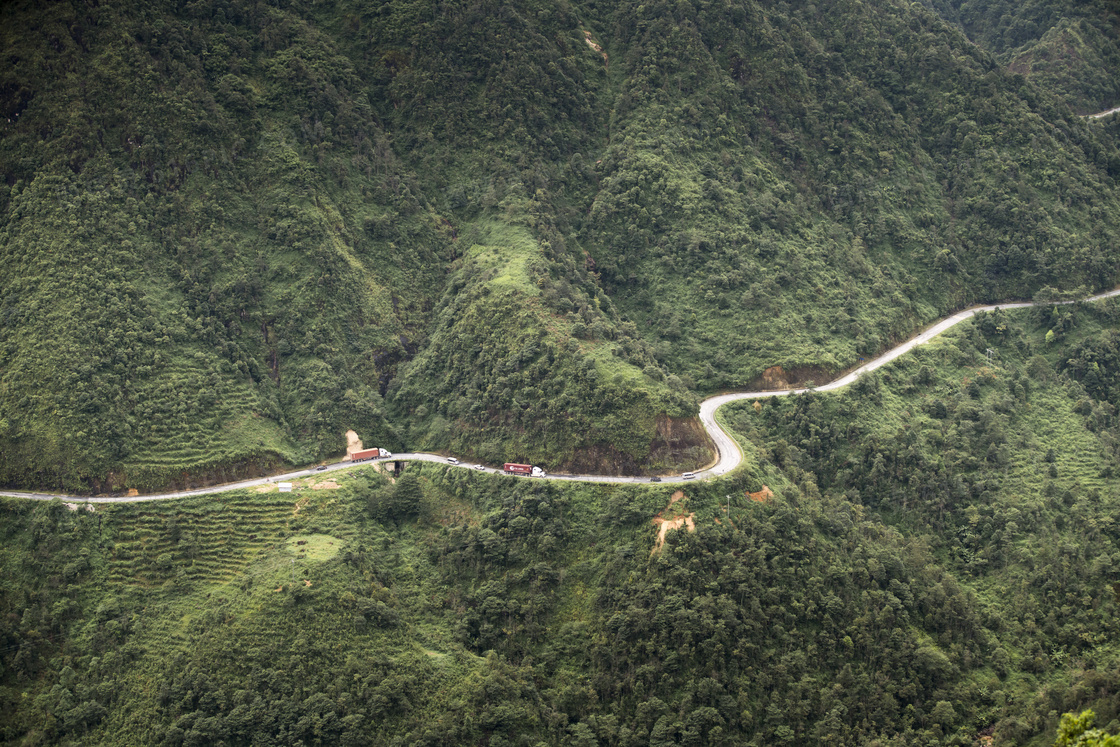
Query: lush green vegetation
[230, 231]
[815, 188]
[199, 276]
[932, 559]
[998, 447]
[549, 361]
[1068, 47]
[1076, 731]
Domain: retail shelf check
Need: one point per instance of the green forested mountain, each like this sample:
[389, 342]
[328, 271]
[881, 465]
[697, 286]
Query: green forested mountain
[1069, 48]
[231, 231]
[927, 558]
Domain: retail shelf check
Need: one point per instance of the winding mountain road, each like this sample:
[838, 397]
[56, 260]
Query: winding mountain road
[728, 456]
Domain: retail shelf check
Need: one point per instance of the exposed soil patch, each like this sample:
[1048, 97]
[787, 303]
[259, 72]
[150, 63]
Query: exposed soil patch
[777, 377]
[669, 524]
[678, 444]
[327, 485]
[353, 443]
[762, 496]
[591, 43]
[665, 525]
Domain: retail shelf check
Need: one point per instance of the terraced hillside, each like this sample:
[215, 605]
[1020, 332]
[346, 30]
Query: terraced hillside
[207, 543]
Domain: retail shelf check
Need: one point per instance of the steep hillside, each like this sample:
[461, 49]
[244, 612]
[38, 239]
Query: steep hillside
[998, 446]
[818, 180]
[927, 557]
[528, 361]
[230, 231]
[1071, 48]
[211, 259]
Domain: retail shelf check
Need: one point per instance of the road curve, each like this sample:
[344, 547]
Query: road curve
[1103, 114]
[728, 457]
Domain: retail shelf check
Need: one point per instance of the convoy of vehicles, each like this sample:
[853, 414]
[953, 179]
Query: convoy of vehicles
[510, 468]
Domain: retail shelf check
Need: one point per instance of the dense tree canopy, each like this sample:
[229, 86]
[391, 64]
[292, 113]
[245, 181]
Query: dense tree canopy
[231, 231]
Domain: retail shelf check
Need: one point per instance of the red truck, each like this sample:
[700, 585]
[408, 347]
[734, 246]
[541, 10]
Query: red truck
[511, 468]
[359, 456]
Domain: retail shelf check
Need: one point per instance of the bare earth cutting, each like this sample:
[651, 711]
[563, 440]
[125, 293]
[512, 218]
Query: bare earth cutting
[666, 525]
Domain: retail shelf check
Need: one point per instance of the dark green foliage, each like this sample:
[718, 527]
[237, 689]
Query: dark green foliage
[51, 550]
[914, 578]
[1095, 362]
[980, 444]
[231, 231]
[1071, 48]
[398, 503]
[815, 180]
[200, 262]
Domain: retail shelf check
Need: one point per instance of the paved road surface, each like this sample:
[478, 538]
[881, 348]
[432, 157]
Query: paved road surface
[1104, 114]
[728, 457]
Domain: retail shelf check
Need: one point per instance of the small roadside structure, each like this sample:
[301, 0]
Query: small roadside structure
[285, 487]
